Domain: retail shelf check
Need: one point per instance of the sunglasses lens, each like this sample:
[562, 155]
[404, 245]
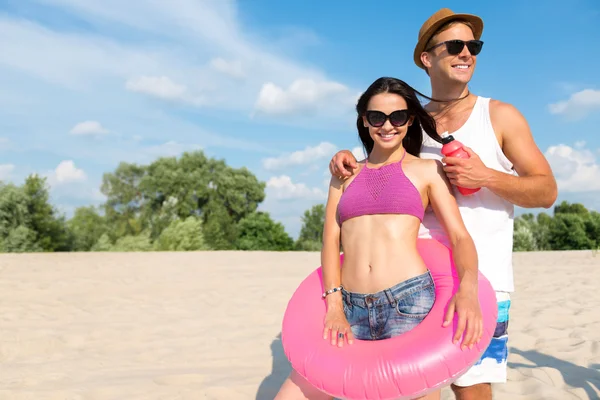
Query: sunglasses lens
[475, 46]
[375, 118]
[399, 118]
[454, 47]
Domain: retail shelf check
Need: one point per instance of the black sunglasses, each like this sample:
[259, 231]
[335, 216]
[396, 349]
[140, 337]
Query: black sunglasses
[456, 46]
[397, 118]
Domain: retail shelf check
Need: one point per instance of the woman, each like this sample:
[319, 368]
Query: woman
[384, 288]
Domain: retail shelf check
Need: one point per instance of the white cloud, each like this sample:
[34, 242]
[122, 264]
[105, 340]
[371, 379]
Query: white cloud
[575, 170]
[302, 96]
[309, 155]
[163, 88]
[232, 68]
[88, 128]
[282, 188]
[185, 52]
[223, 52]
[75, 61]
[578, 105]
[70, 187]
[359, 153]
[287, 201]
[66, 172]
[5, 171]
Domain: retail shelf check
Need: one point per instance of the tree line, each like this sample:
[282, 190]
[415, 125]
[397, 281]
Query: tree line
[199, 203]
[572, 227]
[172, 204]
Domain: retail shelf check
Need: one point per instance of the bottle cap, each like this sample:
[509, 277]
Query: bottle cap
[446, 137]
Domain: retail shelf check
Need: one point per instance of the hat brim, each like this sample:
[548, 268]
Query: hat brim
[420, 47]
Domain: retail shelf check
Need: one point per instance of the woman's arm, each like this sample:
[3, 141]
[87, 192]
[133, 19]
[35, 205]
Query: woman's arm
[466, 300]
[336, 325]
[330, 252]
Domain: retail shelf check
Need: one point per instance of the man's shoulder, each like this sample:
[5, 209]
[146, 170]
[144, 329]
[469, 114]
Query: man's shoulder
[502, 109]
[505, 116]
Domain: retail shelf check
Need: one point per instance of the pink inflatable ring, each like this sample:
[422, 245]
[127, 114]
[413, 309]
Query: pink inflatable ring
[404, 367]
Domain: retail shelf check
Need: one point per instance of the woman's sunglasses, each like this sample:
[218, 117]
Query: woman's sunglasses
[456, 46]
[397, 118]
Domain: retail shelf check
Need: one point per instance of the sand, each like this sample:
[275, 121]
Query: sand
[205, 325]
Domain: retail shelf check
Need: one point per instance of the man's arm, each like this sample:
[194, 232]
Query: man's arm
[535, 186]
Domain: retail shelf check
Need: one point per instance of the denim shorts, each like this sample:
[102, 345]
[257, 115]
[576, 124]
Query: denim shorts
[392, 311]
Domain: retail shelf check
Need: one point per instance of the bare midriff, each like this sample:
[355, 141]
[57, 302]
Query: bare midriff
[380, 251]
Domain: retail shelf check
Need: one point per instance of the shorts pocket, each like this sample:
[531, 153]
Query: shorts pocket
[417, 304]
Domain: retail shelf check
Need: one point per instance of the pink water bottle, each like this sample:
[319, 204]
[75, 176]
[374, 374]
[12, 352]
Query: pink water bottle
[453, 148]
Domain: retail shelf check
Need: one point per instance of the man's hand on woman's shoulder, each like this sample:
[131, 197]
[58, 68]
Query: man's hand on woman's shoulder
[343, 164]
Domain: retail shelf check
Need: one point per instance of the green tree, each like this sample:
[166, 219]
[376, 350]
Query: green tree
[124, 200]
[103, 244]
[139, 242]
[87, 226]
[523, 237]
[232, 194]
[14, 211]
[311, 234]
[20, 240]
[48, 227]
[237, 189]
[220, 228]
[258, 231]
[28, 222]
[592, 228]
[162, 217]
[541, 231]
[150, 197]
[566, 208]
[182, 236]
[567, 232]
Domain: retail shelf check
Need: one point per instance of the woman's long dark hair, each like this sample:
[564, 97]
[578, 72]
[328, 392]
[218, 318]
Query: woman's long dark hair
[422, 120]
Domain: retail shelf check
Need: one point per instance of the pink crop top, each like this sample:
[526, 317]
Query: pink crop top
[384, 190]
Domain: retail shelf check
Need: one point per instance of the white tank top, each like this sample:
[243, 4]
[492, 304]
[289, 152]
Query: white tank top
[487, 216]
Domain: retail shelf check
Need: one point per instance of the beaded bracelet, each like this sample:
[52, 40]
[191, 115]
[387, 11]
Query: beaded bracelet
[330, 291]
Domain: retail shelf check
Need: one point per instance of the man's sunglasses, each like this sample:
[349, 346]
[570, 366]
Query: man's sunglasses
[397, 118]
[456, 46]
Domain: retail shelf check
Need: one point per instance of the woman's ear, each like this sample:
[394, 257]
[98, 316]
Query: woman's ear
[365, 123]
[411, 120]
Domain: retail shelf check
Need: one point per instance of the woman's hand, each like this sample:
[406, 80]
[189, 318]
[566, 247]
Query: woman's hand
[466, 301]
[337, 327]
[470, 321]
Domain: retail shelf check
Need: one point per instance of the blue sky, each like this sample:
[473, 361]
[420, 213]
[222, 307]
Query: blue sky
[269, 85]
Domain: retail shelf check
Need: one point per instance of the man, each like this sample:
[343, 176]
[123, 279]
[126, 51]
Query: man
[505, 163]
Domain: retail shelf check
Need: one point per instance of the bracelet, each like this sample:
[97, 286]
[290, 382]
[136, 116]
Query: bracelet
[330, 291]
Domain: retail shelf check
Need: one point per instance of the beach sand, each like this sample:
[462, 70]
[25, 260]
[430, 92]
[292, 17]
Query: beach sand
[205, 325]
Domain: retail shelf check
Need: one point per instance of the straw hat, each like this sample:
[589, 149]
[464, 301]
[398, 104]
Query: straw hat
[429, 28]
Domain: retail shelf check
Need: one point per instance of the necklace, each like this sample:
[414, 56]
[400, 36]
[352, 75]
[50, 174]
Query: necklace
[449, 101]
